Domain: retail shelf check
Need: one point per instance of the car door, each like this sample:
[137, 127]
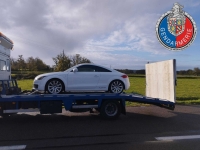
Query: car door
[85, 79]
[105, 76]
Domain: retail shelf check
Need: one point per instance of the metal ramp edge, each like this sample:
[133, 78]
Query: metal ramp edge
[149, 100]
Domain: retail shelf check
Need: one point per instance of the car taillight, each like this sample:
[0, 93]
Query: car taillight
[124, 76]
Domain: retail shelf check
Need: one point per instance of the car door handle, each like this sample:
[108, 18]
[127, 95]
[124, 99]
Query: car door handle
[96, 76]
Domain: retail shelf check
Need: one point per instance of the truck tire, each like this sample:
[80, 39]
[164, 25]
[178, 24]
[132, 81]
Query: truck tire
[110, 109]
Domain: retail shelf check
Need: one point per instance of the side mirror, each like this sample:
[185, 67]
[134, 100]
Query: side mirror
[75, 70]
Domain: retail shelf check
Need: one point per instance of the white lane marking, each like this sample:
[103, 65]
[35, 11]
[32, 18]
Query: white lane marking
[13, 147]
[171, 138]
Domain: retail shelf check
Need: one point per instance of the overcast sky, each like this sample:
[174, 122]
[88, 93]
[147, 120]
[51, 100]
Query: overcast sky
[116, 33]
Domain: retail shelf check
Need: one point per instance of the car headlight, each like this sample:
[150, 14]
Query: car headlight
[40, 78]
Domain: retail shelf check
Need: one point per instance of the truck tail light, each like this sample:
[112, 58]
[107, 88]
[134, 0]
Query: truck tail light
[124, 76]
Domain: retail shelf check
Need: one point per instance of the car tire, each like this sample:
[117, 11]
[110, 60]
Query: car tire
[54, 86]
[116, 86]
[110, 109]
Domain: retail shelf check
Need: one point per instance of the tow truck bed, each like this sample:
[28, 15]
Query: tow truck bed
[109, 105]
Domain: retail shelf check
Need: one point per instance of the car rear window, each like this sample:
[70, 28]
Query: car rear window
[86, 68]
[100, 69]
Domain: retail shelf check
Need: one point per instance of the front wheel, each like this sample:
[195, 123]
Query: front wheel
[116, 87]
[54, 86]
[110, 109]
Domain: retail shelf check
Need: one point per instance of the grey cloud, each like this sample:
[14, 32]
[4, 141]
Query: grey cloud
[30, 14]
[27, 13]
[46, 27]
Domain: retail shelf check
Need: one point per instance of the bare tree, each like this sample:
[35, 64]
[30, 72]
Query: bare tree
[40, 65]
[14, 64]
[62, 62]
[21, 63]
[77, 59]
[31, 64]
[197, 71]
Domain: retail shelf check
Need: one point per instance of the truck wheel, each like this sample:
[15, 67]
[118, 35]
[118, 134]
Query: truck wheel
[54, 86]
[110, 109]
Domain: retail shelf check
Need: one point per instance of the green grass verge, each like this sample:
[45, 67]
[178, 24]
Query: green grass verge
[138, 85]
[134, 104]
[25, 84]
[196, 102]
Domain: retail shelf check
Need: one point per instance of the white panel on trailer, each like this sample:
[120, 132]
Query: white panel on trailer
[161, 80]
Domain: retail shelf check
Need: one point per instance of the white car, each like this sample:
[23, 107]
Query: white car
[82, 78]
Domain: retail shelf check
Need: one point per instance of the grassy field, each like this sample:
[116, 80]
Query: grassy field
[25, 84]
[137, 85]
[187, 90]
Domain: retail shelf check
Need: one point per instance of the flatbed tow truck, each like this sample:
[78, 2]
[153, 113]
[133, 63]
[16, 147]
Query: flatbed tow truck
[12, 100]
[109, 105]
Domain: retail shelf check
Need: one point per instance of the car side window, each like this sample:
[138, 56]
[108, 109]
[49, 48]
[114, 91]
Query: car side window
[100, 69]
[86, 68]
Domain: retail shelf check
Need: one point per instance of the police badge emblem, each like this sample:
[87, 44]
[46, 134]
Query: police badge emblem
[176, 20]
[176, 29]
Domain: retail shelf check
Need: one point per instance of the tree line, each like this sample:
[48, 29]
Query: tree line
[64, 62]
[128, 71]
[194, 72]
[61, 62]
[29, 64]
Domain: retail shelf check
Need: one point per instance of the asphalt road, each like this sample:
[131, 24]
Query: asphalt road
[139, 129]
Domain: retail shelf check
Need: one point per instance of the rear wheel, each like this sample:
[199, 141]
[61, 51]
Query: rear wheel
[54, 86]
[116, 86]
[110, 109]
